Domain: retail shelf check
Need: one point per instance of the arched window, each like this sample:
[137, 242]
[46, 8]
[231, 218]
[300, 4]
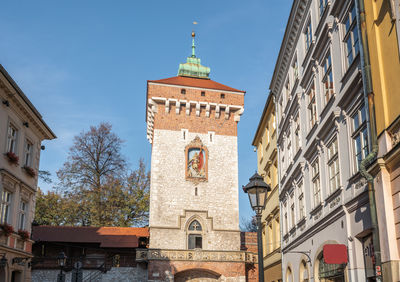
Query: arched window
[195, 240]
[289, 275]
[330, 272]
[195, 226]
[304, 276]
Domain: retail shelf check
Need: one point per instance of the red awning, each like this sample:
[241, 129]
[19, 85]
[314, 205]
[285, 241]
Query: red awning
[335, 254]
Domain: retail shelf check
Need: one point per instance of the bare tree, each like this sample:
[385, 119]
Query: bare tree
[93, 160]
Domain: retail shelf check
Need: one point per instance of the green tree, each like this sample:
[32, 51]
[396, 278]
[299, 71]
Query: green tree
[53, 209]
[95, 186]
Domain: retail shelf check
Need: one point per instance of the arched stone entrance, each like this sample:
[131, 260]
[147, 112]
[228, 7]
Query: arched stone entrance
[196, 275]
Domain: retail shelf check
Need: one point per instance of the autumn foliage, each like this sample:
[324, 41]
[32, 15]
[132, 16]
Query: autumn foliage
[96, 188]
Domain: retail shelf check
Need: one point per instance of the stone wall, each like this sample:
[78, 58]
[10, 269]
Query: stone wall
[120, 274]
[173, 199]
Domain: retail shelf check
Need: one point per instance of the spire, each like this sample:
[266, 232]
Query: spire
[193, 67]
[193, 46]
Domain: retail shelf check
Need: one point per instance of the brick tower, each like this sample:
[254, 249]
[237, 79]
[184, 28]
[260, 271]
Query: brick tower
[194, 209]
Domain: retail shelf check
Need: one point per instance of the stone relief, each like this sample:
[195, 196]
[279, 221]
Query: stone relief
[334, 202]
[196, 255]
[395, 135]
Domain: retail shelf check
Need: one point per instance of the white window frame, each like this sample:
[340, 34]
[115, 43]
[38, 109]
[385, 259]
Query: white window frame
[308, 36]
[333, 165]
[295, 68]
[6, 206]
[292, 211]
[359, 130]
[312, 112]
[23, 212]
[321, 7]
[297, 133]
[316, 182]
[302, 213]
[12, 139]
[350, 35]
[28, 153]
[327, 78]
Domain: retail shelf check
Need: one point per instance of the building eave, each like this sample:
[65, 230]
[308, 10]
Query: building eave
[48, 133]
[292, 31]
[263, 118]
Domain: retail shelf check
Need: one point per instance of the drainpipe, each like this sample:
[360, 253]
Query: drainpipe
[373, 141]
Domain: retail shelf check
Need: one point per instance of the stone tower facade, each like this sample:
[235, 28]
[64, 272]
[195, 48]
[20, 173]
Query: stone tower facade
[194, 209]
[181, 122]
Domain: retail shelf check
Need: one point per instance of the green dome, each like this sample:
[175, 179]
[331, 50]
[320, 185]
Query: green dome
[193, 67]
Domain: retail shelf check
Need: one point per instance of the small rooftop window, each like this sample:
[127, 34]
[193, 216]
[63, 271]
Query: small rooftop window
[222, 96]
[203, 93]
[183, 91]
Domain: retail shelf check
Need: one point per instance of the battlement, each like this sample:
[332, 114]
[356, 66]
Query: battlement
[193, 106]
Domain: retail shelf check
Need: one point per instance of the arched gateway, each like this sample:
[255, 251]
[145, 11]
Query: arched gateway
[196, 275]
[194, 208]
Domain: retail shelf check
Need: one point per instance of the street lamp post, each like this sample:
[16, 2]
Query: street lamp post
[61, 259]
[257, 190]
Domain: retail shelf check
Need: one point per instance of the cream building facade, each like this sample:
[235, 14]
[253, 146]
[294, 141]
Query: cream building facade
[22, 130]
[267, 163]
[322, 137]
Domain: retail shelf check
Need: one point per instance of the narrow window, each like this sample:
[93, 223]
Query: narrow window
[195, 191]
[222, 96]
[285, 217]
[292, 214]
[184, 134]
[333, 164]
[351, 35]
[295, 68]
[322, 6]
[301, 201]
[5, 207]
[308, 35]
[203, 93]
[287, 91]
[297, 133]
[327, 80]
[12, 139]
[360, 136]
[28, 153]
[316, 183]
[22, 215]
[183, 91]
[312, 106]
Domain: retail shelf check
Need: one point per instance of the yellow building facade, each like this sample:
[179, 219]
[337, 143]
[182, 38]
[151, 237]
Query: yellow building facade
[382, 24]
[265, 143]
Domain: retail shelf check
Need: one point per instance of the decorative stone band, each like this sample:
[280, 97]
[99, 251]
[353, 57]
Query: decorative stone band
[195, 255]
[152, 109]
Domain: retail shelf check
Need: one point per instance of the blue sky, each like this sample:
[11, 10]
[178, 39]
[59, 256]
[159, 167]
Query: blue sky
[84, 62]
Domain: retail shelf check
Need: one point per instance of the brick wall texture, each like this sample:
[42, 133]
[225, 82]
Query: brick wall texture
[200, 124]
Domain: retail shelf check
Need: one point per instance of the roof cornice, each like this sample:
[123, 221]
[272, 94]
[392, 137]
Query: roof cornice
[292, 32]
[268, 109]
[17, 96]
